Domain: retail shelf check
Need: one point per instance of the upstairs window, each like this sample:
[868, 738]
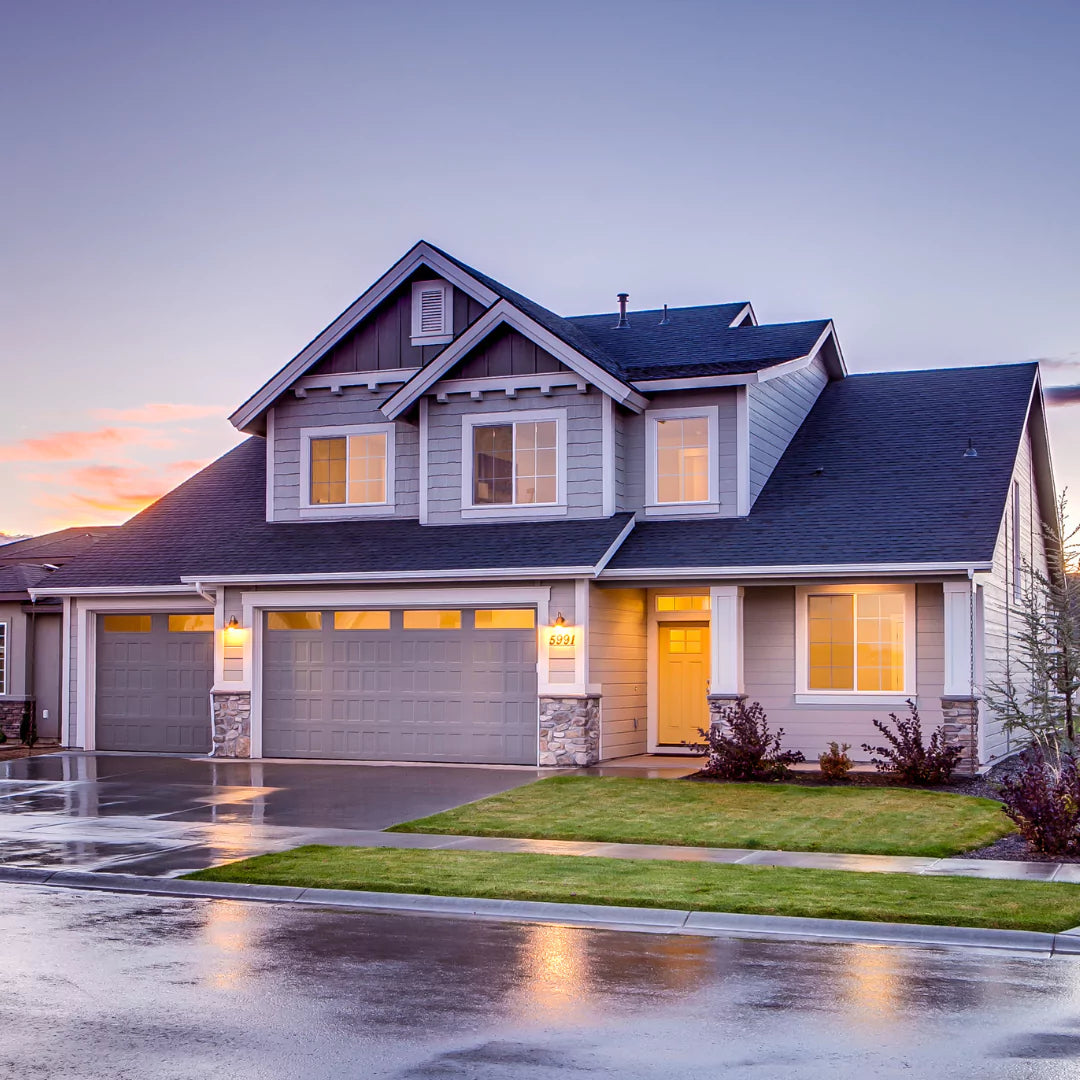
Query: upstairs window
[515, 464]
[682, 459]
[432, 312]
[350, 467]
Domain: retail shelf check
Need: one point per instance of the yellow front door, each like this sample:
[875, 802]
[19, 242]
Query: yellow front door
[684, 681]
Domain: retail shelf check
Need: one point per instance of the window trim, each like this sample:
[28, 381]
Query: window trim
[711, 505]
[346, 509]
[5, 661]
[469, 509]
[445, 335]
[805, 696]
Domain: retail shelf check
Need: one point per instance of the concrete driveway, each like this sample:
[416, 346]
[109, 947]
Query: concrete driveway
[166, 815]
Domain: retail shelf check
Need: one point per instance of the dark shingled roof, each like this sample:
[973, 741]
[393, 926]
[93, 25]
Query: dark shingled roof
[214, 524]
[51, 547]
[16, 579]
[896, 487]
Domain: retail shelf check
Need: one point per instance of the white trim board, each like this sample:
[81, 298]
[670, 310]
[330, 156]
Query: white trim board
[833, 570]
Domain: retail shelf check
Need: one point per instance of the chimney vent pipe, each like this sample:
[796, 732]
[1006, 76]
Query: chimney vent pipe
[624, 322]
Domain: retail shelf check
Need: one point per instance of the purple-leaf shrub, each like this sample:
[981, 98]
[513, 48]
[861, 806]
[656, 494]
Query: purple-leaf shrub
[908, 757]
[740, 746]
[1044, 803]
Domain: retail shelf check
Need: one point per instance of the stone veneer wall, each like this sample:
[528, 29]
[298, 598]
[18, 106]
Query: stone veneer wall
[719, 702]
[232, 725]
[570, 731]
[11, 714]
[962, 726]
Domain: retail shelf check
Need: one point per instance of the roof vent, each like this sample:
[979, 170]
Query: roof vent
[820, 470]
[664, 320]
[624, 322]
[971, 451]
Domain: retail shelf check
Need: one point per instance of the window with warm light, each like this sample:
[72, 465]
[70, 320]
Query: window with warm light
[515, 464]
[856, 641]
[505, 619]
[431, 619]
[682, 603]
[191, 624]
[127, 624]
[349, 469]
[682, 459]
[294, 620]
[361, 620]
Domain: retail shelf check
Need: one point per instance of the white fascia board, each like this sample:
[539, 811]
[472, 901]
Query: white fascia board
[824, 570]
[696, 382]
[189, 587]
[615, 545]
[500, 313]
[788, 367]
[748, 309]
[420, 255]
[494, 573]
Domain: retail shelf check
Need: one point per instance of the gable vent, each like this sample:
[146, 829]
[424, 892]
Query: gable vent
[431, 311]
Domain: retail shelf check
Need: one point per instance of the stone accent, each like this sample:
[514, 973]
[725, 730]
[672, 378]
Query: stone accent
[570, 731]
[962, 726]
[232, 725]
[718, 702]
[11, 714]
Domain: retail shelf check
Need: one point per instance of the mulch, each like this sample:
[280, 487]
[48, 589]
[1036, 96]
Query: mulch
[11, 750]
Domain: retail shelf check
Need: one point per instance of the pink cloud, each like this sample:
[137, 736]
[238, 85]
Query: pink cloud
[83, 445]
[115, 491]
[161, 412]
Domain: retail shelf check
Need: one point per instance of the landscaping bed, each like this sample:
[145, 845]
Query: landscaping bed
[759, 890]
[856, 819]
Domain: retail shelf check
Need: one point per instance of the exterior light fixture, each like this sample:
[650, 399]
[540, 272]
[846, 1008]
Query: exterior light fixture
[559, 620]
[234, 633]
[234, 624]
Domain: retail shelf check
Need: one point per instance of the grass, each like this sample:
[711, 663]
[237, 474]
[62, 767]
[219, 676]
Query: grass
[761, 890]
[787, 817]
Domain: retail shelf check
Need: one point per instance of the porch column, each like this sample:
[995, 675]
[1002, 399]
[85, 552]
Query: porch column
[959, 700]
[726, 643]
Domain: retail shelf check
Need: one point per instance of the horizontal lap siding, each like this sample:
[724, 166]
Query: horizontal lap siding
[769, 647]
[618, 664]
[584, 462]
[561, 668]
[355, 405]
[775, 410]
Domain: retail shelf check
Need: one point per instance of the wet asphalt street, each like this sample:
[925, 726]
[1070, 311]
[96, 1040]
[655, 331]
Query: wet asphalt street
[130, 988]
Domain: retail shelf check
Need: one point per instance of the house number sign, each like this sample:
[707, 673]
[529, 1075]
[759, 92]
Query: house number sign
[562, 638]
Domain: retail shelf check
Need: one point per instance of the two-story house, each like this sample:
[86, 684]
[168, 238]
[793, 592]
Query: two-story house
[466, 529]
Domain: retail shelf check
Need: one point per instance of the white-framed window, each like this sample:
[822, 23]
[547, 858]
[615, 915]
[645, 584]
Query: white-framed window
[854, 642]
[513, 461]
[432, 312]
[682, 461]
[348, 467]
[3, 657]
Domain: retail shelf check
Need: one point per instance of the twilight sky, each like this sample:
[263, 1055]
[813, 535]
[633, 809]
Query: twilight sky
[192, 191]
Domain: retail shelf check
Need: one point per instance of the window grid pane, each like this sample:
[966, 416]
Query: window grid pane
[493, 464]
[682, 603]
[328, 471]
[831, 635]
[856, 642]
[682, 460]
[367, 468]
[880, 636]
[515, 464]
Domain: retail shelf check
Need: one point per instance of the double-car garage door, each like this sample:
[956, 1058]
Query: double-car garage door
[407, 685]
[401, 685]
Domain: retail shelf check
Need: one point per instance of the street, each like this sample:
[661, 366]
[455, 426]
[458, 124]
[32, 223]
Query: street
[131, 988]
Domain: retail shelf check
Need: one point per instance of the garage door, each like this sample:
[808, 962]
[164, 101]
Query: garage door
[401, 685]
[154, 674]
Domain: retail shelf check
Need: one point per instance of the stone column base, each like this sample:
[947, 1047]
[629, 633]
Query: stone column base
[719, 702]
[11, 716]
[232, 725]
[962, 726]
[570, 731]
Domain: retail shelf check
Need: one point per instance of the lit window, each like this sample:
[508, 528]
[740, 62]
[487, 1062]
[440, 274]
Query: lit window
[361, 620]
[515, 464]
[856, 641]
[126, 624]
[294, 620]
[505, 619]
[431, 620]
[349, 469]
[191, 624]
[682, 460]
[682, 603]
[685, 640]
[3, 658]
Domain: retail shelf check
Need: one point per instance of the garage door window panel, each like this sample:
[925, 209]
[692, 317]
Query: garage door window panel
[191, 624]
[431, 619]
[127, 624]
[505, 619]
[294, 620]
[361, 620]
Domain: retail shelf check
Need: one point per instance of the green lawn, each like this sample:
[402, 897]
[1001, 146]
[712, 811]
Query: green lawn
[761, 890]
[787, 817]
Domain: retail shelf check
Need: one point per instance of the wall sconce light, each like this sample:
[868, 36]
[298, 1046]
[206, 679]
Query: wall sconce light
[559, 620]
[234, 632]
[234, 624]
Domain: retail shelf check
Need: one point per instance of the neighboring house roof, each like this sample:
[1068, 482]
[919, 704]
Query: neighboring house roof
[895, 486]
[214, 526]
[15, 580]
[49, 547]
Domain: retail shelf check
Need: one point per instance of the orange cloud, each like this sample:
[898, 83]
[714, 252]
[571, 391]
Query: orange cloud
[72, 445]
[161, 413]
[115, 490]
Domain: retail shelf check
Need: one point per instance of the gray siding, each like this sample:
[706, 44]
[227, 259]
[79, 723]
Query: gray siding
[561, 667]
[769, 649]
[618, 664]
[584, 464]
[506, 352]
[775, 410]
[321, 408]
[999, 610]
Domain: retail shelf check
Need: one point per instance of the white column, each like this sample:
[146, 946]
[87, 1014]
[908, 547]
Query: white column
[958, 638]
[726, 633]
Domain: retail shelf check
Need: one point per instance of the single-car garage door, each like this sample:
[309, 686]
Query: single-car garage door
[401, 685]
[154, 674]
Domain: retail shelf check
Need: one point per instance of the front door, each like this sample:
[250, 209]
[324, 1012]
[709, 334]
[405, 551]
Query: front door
[684, 682]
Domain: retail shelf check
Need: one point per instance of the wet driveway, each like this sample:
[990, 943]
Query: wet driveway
[169, 815]
[126, 987]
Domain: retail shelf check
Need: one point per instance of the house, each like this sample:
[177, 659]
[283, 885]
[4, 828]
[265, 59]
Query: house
[463, 528]
[30, 631]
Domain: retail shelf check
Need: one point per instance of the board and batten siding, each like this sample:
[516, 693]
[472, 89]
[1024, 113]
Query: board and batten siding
[321, 408]
[618, 664]
[1000, 614]
[584, 459]
[769, 672]
[775, 411]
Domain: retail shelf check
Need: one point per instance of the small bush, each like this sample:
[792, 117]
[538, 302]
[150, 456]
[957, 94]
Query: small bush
[908, 757]
[740, 746]
[1043, 800]
[835, 763]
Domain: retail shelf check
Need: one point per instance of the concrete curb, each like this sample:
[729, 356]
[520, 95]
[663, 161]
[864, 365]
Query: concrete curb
[637, 920]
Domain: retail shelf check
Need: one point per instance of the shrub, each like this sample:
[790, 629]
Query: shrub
[908, 757]
[835, 763]
[740, 746]
[1043, 800]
